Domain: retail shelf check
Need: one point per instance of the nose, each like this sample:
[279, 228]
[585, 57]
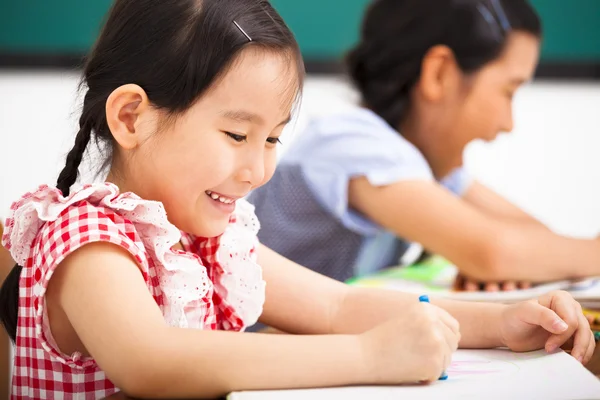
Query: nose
[507, 122]
[253, 168]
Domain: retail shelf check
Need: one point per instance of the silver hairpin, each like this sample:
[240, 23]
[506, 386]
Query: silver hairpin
[243, 31]
[489, 18]
[501, 15]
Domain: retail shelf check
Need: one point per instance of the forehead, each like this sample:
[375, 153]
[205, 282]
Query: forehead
[261, 82]
[519, 58]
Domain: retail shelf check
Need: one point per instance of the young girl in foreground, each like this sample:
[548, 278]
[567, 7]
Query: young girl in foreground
[144, 283]
[433, 75]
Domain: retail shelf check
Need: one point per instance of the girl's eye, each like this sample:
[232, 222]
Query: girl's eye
[274, 140]
[237, 138]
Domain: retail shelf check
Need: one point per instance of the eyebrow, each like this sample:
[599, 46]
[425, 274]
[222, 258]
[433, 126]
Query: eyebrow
[246, 116]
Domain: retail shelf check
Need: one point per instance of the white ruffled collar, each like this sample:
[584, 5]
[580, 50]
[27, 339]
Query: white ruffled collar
[236, 279]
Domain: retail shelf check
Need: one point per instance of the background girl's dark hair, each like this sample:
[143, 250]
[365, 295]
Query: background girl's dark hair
[396, 35]
[174, 50]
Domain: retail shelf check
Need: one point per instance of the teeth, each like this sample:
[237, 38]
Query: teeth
[216, 197]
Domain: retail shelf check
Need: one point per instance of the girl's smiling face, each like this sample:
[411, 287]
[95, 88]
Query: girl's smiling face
[200, 163]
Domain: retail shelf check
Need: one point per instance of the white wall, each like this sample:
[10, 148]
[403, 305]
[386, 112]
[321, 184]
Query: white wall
[549, 165]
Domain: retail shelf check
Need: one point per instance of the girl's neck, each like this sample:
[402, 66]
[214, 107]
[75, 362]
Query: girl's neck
[117, 178]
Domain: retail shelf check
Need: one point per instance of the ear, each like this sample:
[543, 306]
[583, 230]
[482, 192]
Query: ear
[126, 107]
[440, 73]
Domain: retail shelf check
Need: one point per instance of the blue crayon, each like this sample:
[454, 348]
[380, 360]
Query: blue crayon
[425, 299]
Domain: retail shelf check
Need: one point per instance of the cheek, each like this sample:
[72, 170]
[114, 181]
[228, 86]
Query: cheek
[207, 170]
[480, 116]
[184, 169]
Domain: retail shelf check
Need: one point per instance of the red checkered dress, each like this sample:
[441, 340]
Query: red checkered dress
[220, 286]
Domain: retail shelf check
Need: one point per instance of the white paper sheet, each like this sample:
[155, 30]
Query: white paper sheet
[474, 374]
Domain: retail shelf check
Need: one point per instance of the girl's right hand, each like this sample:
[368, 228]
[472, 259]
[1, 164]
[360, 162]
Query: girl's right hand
[416, 347]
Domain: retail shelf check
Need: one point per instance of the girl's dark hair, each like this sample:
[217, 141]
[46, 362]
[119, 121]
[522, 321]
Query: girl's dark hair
[397, 34]
[175, 50]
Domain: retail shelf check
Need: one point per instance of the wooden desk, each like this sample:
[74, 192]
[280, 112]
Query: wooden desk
[121, 396]
[6, 264]
[594, 364]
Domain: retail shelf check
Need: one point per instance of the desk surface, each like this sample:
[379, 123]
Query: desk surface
[496, 374]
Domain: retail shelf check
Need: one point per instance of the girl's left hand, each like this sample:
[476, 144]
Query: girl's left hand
[552, 321]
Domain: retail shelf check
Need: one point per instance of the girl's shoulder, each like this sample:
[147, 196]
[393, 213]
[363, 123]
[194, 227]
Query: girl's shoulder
[44, 223]
[49, 222]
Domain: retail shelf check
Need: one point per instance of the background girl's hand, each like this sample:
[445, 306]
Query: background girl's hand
[463, 283]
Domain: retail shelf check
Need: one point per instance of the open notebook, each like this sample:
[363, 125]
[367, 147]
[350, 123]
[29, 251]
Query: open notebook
[436, 278]
[473, 374]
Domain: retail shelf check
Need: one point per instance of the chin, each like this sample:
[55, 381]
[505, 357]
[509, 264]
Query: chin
[211, 229]
[491, 137]
[458, 162]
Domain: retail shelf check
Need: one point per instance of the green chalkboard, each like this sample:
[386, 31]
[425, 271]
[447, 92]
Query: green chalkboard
[324, 28]
[327, 29]
[50, 26]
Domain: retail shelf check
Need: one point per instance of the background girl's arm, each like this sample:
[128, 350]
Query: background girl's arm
[484, 247]
[490, 202]
[103, 294]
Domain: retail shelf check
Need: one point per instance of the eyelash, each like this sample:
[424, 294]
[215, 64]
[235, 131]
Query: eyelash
[242, 138]
[237, 138]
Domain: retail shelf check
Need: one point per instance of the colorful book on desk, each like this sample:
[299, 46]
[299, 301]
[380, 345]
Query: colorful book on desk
[436, 277]
[473, 374]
